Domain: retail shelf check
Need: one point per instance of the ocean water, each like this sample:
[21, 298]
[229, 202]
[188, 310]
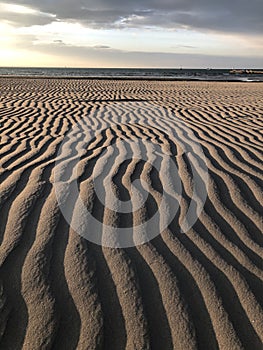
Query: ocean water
[136, 73]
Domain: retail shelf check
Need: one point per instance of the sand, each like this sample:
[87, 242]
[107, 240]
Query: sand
[200, 289]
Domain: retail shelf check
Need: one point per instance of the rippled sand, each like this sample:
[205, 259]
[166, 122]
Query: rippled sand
[196, 290]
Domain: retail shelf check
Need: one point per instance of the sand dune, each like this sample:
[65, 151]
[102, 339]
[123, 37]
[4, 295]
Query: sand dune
[201, 289]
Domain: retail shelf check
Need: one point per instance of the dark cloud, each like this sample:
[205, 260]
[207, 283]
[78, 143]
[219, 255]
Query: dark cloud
[237, 16]
[26, 19]
[101, 47]
[184, 47]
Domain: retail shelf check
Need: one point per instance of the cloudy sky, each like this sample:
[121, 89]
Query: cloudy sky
[138, 33]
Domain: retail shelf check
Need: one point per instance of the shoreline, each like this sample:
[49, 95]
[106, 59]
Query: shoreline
[111, 78]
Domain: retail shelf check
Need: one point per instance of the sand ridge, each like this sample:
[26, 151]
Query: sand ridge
[199, 290]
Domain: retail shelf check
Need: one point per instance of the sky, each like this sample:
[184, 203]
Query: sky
[138, 33]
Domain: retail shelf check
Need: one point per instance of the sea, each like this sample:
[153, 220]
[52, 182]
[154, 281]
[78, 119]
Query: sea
[135, 73]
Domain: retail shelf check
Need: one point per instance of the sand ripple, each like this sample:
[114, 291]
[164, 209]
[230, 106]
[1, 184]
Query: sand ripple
[199, 290]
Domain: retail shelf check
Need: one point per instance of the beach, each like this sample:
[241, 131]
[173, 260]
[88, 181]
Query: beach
[68, 284]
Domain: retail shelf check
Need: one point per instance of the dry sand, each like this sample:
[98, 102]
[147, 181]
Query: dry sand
[199, 290]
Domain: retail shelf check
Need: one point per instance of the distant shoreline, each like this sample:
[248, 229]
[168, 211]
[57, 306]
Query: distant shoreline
[246, 71]
[129, 78]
